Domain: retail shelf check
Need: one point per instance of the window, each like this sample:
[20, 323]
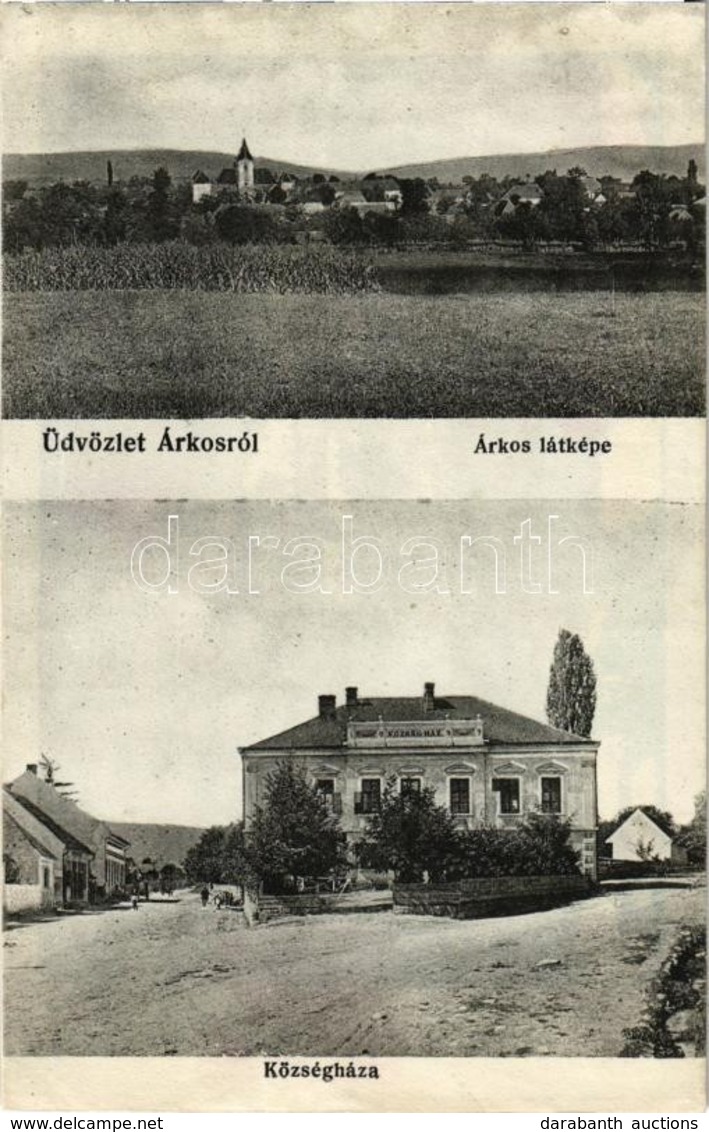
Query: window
[367, 801]
[326, 789]
[45, 877]
[551, 795]
[459, 795]
[410, 785]
[508, 790]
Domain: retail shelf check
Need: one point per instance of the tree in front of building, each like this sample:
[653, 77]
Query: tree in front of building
[295, 835]
[204, 862]
[410, 835]
[571, 695]
[693, 837]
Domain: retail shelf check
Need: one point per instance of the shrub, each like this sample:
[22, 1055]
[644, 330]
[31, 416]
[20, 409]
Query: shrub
[679, 986]
[539, 846]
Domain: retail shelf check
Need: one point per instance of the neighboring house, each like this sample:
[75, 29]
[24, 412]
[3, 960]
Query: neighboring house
[109, 849]
[487, 765]
[641, 838]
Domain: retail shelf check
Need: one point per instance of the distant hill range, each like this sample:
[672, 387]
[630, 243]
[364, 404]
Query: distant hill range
[163, 844]
[622, 161]
[46, 168]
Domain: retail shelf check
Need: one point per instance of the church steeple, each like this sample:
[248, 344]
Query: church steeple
[244, 154]
[244, 168]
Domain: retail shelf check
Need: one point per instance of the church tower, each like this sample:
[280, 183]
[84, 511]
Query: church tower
[244, 168]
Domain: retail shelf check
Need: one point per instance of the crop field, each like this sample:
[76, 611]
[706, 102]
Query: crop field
[180, 266]
[192, 353]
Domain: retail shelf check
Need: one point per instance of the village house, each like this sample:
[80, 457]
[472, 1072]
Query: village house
[71, 865]
[89, 839]
[641, 837]
[33, 858]
[486, 764]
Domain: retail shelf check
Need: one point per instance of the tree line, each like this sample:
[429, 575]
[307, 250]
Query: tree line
[655, 211]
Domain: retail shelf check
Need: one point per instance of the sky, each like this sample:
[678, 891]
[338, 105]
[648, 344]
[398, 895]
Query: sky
[353, 86]
[143, 698]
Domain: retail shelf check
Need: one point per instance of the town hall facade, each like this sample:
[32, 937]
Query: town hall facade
[487, 765]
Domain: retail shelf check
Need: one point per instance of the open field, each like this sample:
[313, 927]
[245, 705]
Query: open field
[195, 354]
[177, 979]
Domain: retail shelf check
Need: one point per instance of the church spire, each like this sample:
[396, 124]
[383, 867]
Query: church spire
[244, 154]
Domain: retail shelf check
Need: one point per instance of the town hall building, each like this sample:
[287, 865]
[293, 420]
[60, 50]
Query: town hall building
[487, 765]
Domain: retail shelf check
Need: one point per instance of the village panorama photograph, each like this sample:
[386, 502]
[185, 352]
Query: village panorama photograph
[320, 211]
[385, 795]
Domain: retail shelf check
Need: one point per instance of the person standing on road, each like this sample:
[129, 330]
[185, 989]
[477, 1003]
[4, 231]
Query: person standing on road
[205, 896]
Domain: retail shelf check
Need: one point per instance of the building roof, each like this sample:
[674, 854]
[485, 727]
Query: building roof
[657, 822]
[69, 840]
[501, 727]
[243, 154]
[527, 191]
[228, 176]
[200, 178]
[37, 833]
[50, 806]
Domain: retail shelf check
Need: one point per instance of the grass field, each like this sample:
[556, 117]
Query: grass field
[196, 354]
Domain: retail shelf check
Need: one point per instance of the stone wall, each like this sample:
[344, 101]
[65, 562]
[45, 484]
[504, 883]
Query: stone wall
[488, 896]
[262, 909]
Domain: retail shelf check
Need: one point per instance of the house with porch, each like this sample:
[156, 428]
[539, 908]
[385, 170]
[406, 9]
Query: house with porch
[487, 765]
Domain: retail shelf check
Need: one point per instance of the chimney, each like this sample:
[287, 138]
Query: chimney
[32, 768]
[428, 690]
[351, 697]
[326, 707]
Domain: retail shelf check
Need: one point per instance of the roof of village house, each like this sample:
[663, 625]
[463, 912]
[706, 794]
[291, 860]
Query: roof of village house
[529, 191]
[228, 176]
[200, 178]
[243, 154]
[661, 825]
[42, 799]
[500, 726]
[38, 833]
[70, 841]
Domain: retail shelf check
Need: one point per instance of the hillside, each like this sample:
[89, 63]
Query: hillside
[617, 161]
[622, 161]
[46, 168]
[164, 844]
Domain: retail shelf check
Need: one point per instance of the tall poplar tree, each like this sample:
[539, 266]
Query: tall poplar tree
[571, 695]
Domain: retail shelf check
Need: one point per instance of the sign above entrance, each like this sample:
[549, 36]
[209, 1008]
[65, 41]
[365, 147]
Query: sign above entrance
[417, 733]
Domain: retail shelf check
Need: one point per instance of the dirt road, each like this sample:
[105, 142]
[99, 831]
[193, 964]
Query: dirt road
[176, 979]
